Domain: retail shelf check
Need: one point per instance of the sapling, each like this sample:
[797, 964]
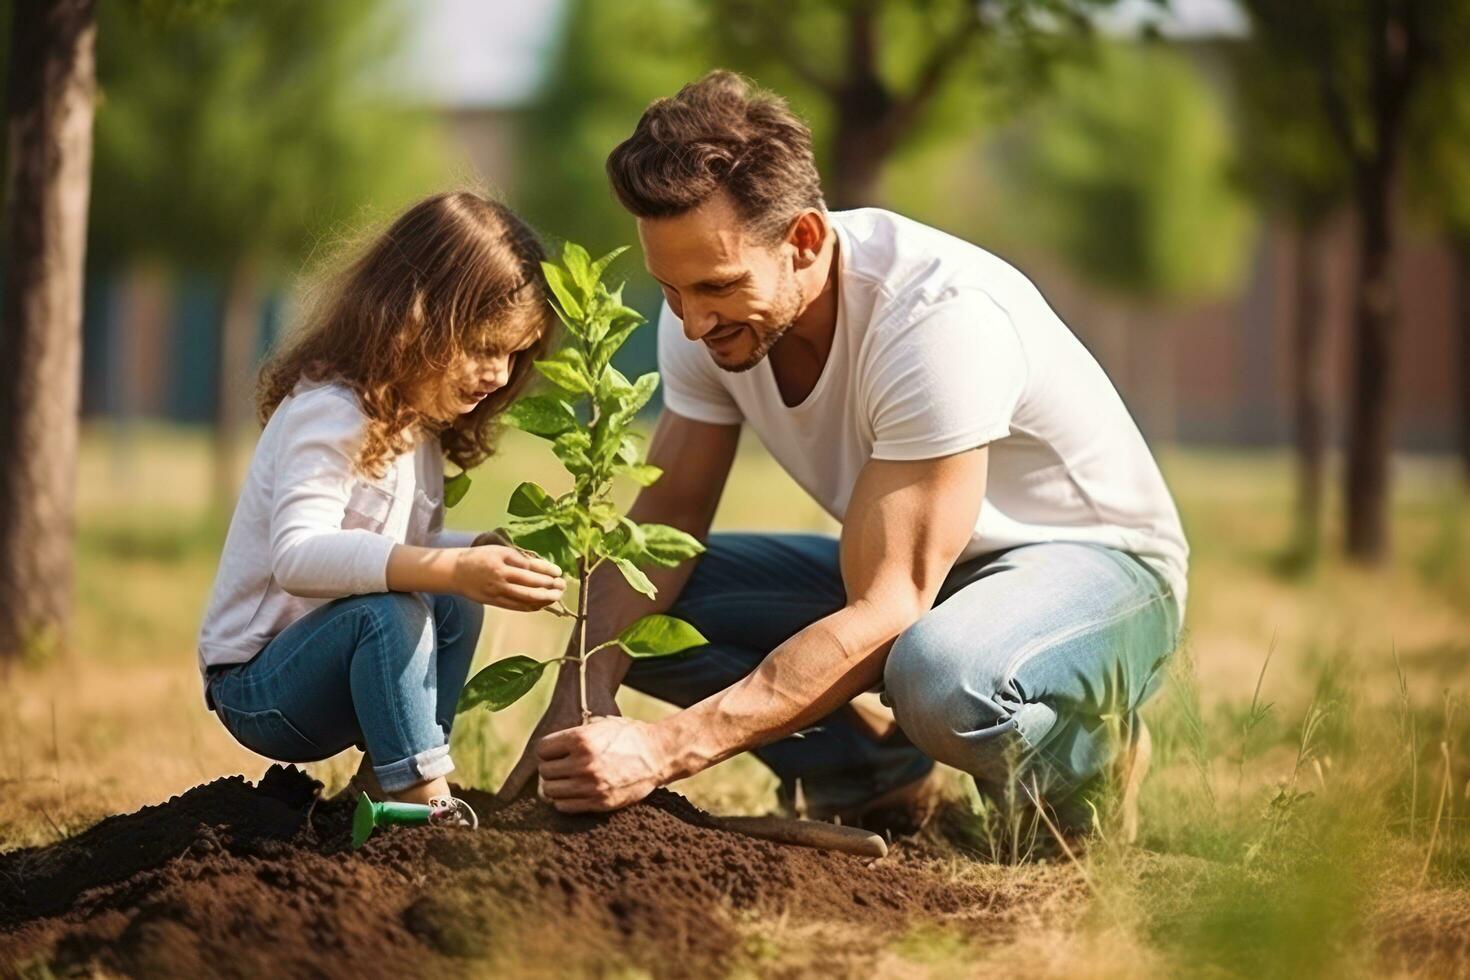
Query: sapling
[588, 421]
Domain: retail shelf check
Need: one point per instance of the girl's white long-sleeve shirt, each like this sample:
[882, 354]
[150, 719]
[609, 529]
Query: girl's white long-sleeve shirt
[309, 528]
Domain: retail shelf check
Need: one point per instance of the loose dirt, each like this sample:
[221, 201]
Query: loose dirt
[238, 880]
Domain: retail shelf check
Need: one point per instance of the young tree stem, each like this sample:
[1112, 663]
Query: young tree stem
[582, 644]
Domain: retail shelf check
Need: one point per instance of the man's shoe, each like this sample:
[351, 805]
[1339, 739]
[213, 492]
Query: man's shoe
[1073, 816]
[902, 810]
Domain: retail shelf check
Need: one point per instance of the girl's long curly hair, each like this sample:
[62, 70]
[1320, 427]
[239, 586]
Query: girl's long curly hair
[456, 275]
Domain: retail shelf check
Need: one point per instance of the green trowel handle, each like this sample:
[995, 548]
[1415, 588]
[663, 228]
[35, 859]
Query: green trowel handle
[403, 813]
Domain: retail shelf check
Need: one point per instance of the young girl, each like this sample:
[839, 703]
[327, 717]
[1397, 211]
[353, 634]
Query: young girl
[343, 613]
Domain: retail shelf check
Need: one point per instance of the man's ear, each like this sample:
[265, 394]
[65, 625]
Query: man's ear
[808, 233]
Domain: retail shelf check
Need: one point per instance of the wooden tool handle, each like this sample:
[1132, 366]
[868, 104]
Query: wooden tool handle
[810, 833]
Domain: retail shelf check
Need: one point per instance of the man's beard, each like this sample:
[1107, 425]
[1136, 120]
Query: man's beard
[783, 312]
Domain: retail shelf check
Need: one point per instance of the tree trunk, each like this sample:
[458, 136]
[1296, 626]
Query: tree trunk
[1370, 416]
[239, 335]
[859, 150]
[1462, 312]
[1309, 390]
[49, 131]
[863, 136]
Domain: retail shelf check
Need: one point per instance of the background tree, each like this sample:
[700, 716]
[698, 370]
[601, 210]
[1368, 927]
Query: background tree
[873, 78]
[231, 146]
[1368, 61]
[1440, 188]
[874, 73]
[1123, 171]
[1287, 160]
[50, 81]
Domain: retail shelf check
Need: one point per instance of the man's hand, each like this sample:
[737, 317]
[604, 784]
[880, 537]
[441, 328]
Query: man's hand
[562, 713]
[605, 764]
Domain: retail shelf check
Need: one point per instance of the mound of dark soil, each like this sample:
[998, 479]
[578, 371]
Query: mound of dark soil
[231, 879]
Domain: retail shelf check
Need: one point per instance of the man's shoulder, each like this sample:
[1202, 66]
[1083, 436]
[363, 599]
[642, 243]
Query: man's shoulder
[906, 264]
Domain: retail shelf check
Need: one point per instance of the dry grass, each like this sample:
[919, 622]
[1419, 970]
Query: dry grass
[1337, 874]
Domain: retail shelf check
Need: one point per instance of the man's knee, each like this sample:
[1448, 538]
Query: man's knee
[945, 695]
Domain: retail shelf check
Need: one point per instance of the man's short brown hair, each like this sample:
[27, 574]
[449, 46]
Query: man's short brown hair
[721, 133]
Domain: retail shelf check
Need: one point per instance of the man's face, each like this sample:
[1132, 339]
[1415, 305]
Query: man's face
[735, 293]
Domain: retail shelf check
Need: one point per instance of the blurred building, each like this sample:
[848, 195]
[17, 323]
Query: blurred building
[1231, 360]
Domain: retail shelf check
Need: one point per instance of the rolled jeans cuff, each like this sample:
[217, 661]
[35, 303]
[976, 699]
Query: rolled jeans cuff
[429, 764]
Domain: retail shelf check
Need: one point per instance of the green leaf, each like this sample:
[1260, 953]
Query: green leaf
[529, 500]
[579, 264]
[565, 291]
[659, 636]
[571, 449]
[529, 525]
[542, 415]
[502, 683]
[643, 474]
[567, 369]
[600, 266]
[668, 546]
[623, 541]
[455, 488]
[642, 390]
[635, 576]
[619, 321]
[618, 331]
[551, 543]
[613, 391]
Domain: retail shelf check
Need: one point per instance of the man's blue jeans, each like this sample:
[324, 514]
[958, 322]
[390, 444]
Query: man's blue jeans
[1029, 662]
[382, 672]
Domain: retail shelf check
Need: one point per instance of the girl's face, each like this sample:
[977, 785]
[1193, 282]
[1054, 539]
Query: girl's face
[474, 378]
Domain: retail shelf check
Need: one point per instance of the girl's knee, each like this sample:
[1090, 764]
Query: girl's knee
[395, 625]
[404, 609]
[457, 611]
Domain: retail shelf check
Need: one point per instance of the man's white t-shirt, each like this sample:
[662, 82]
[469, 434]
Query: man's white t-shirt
[942, 347]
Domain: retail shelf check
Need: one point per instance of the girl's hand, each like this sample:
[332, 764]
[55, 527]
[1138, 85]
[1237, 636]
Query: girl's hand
[506, 577]
[491, 537]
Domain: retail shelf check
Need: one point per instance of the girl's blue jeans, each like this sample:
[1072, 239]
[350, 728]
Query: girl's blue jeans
[382, 672]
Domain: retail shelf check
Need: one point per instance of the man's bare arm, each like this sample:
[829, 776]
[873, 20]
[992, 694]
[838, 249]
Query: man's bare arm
[905, 526]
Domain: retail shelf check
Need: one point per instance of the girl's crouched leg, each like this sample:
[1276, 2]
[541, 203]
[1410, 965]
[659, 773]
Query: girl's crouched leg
[362, 670]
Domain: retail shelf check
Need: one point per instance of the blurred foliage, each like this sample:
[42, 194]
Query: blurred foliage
[1371, 71]
[1439, 158]
[1123, 170]
[591, 100]
[1285, 154]
[939, 69]
[228, 130]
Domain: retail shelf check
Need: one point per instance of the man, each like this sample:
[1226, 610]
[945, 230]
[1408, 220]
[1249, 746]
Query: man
[1011, 568]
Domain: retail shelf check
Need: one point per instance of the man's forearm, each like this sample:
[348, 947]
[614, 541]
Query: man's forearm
[802, 681]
